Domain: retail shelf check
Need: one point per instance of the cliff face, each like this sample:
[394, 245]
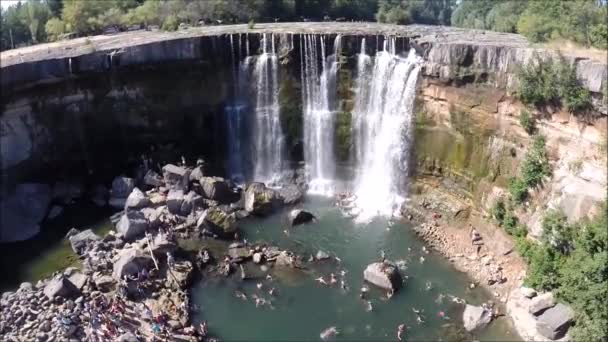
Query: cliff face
[95, 104]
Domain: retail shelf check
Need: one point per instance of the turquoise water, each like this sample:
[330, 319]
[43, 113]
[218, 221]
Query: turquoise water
[303, 308]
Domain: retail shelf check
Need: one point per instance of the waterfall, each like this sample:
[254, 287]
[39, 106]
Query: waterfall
[382, 124]
[318, 99]
[268, 136]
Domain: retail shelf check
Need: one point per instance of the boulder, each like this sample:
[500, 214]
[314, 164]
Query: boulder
[238, 252]
[103, 283]
[298, 216]
[23, 210]
[61, 286]
[175, 199]
[137, 200]
[290, 194]
[153, 179]
[321, 255]
[220, 222]
[260, 200]
[528, 292]
[540, 303]
[196, 174]
[181, 274]
[79, 279]
[176, 177]
[284, 258]
[475, 317]
[129, 262]
[384, 275]
[217, 189]
[258, 258]
[122, 187]
[192, 201]
[132, 225]
[161, 245]
[81, 240]
[554, 322]
[153, 215]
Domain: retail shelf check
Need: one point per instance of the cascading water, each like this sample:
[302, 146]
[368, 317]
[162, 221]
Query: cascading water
[268, 135]
[382, 120]
[318, 94]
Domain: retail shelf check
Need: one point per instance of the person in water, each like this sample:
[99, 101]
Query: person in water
[400, 331]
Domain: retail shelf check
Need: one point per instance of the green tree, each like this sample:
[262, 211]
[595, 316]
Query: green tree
[14, 30]
[34, 15]
[54, 29]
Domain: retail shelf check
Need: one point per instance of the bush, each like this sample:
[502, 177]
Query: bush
[498, 211]
[54, 29]
[527, 121]
[518, 190]
[171, 23]
[536, 164]
[557, 232]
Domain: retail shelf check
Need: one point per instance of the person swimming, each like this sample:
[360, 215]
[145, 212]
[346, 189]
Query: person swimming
[400, 331]
[332, 279]
[369, 306]
[321, 281]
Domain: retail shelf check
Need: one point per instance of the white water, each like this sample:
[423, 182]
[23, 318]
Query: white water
[268, 136]
[382, 124]
[318, 99]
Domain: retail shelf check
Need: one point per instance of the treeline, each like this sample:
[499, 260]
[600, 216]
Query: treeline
[35, 21]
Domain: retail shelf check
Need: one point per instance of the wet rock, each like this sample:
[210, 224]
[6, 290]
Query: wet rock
[258, 258]
[181, 275]
[137, 200]
[260, 200]
[554, 322]
[192, 201]
[298, 216]
[220, 222]
[217, 189]
[23, 210]
[176, 177]
[290, 194]
[122, 187]
[475, 317]
[238, 252]
[384, 275]
[153, 179]
[321, 255]
[82, 240]
[132, 225]
[60, 286]
[130, 262]
[175, 199]
[540, 303]
[284, 258]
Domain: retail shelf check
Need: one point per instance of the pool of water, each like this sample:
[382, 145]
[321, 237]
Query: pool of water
[303, 308]
[49, 251]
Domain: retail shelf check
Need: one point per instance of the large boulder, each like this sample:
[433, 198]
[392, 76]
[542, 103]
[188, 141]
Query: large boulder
[161, 245]
[61, 286]
[122, 187]
[137, 200]
[132, 224]
[220, 222]
[384, 275]
[290, 194]
[22, 211]
[153, 216]
[130, 261]
[298, 216]
[181, 275]
[238, 252]
[176, 177]
[475, 317]
[541, 303]
[217, 189]
[196, 174]
[175, 199]
[153, 179]
[554, 322]
[192, 201]
[81, 240]
[260, 200]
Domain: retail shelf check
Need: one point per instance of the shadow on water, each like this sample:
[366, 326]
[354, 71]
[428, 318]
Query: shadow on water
[49, 251]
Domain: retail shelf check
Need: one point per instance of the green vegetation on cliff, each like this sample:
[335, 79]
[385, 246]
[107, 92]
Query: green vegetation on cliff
[534, 168]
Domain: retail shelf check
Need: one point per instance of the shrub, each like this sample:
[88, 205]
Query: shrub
[557, 232]
[171, 23]
[527, 121]
[518, 190]
[498, 211]
[536, 164]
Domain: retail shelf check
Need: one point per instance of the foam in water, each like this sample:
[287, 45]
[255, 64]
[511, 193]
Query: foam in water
[268, 136]
[318, 94]
[382, 124]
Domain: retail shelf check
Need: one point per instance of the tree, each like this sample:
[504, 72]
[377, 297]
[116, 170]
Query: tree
[34, 15]
[393, 12]
[14, 29]
[55, 6]
[54, 28]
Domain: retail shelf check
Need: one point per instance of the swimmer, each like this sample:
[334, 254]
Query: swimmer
[421, 259]
[369, 306]
[268, 277]
[321, 280]
[259, 286]
[332, 279]
[428, 286]
[400, 331]
[271, 291]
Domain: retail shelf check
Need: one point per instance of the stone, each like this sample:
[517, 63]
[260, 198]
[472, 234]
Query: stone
[127, 337]
[299, 216]
[290, 194]
[192, 201]
[217, 189]
[55, 211]
[153, 179]
[175, 199]
[260, 200]
[220, 222]
[153, 215]
[176, 177]
[258, 258]
[81, 240]
[284, 258]
[161, 245]
[196, 174]
[132, 225]
[238, 252]
[129, 262]
[384, 275]
[137, 200]
[26, 287]
[122, 187]
[540, 303]
[78, 279]
[23, 210]
[60, 286]
[103, 283]
[528, 292]
[321, 255]
[554, 322]
[181, 274]
[475, 317]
